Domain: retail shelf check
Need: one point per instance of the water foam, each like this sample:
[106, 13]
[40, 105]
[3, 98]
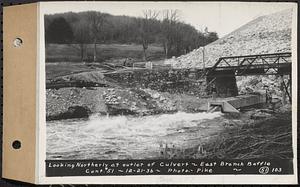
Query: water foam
[158, 124]
[120, 135]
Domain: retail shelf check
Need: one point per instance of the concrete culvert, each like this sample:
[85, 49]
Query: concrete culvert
[72, 112]
[78, 112]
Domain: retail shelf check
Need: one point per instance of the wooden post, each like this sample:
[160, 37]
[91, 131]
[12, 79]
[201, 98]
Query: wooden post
[283, 90]
[290, 85]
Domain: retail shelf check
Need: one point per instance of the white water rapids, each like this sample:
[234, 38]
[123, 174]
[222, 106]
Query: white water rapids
[120, 137]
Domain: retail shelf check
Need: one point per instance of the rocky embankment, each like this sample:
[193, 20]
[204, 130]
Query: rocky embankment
[265, 34]
[184, 81]
[65, 103]
[144, 92]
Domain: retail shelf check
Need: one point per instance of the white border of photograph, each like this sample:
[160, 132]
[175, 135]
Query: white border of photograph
[44, 7]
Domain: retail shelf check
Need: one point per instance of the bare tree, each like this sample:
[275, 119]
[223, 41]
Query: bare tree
[169, 20]
[81, 33]
[96, 20]
[145, 28]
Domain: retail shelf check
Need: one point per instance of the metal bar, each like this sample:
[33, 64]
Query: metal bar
[250, 63]
[211, 81]
[256, 66]
[226, 62]
[285, 60]
[276, 61]
[288, 54]
[218, 62]
[286, 91]
[265, 61]
[251, 74]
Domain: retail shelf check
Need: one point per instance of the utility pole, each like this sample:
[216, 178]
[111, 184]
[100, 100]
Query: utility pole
[203, 47]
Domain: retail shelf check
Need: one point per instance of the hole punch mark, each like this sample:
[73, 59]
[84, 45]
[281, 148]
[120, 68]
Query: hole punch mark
[16, 144]
[18, 42]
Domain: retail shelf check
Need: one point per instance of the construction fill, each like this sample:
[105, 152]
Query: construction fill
[264, 35]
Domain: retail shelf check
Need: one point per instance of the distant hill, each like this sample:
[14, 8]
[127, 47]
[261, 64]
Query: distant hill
[265, 34]
[91, 27]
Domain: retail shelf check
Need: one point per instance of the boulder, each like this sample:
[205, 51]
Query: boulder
[72, 112]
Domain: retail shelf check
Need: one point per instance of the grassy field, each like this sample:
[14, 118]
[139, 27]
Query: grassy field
[64, 68]
[71, 52]
[64, 59]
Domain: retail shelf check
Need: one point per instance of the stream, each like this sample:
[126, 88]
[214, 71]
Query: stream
[126, 137]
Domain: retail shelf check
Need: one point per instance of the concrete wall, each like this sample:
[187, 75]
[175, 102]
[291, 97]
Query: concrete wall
[224, 83]
[226, 86]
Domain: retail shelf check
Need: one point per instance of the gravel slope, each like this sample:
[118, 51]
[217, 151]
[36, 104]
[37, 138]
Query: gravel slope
[265, 34]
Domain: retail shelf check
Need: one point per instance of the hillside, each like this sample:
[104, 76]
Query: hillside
[265, 34]
[91, 27]
[105, 52]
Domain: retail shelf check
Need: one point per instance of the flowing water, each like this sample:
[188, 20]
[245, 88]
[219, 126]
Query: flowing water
[122, 137]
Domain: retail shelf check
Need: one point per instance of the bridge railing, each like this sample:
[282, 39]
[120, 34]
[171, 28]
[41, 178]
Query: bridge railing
[250, 64]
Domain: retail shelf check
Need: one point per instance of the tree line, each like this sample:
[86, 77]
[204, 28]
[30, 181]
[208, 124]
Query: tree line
[155, 27]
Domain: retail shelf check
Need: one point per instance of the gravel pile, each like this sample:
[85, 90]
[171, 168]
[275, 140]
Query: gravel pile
[265, 34]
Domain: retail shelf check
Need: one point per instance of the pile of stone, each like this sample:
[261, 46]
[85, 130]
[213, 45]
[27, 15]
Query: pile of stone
[162, 102]
[136, 101]
[270, 84]
[167, 80]
[110, 97]
[266, 34]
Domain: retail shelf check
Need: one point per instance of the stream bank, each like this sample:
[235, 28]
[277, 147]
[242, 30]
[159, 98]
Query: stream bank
[66, 103]
[254, 134]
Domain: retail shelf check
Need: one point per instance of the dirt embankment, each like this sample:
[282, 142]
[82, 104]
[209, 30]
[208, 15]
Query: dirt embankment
[78, 95]
[75, 102]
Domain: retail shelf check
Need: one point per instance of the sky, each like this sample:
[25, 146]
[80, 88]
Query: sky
[220, 17]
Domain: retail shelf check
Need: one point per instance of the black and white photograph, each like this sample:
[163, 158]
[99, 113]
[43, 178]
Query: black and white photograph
[169, 80]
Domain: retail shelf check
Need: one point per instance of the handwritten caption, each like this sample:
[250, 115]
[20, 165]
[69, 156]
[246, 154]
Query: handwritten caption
[164, 167]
